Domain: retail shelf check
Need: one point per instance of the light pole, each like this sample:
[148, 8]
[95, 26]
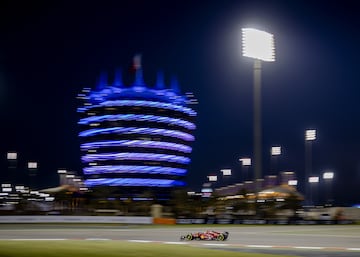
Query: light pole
[258, 45]
[328, 177]
[245, 163]
[12, 158]
[313, 181]
[275, 152]
[226, 173]
[62, 176]
[32, 168]
[310, 135]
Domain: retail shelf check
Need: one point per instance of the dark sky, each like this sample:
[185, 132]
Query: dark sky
[50, 50]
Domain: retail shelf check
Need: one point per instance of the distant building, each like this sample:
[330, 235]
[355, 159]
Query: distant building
[136, 138]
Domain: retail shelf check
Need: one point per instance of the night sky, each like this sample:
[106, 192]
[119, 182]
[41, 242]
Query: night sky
[50, 50]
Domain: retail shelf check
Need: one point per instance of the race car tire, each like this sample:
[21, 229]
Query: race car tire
[220, 237]
[189, 237]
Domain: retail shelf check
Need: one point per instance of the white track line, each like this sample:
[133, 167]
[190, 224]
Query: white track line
[175, 243]
[309, 247]
[214, 244]
[141, 241]
[260, 246]
[98, 239]
[353, 249]
[37, 239]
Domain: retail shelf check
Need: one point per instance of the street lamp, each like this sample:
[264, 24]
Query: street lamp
[312, 181]
[310, 135]
[258, 45]
[11, 156]
[226, 174]
[32, 168]
[328, 177]
[292, 182]
[246, 163]
[212, 178]
[12, 166]
[275, 152]
[62, 176]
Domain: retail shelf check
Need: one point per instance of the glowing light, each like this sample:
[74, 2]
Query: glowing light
[61, 171]
[154, 124]
[328, 175]
[139, 117]
[292, 182]
[133, 182]
[258, 44]
[136, 156]
[32, 165]
[141, 103]
[12, 156]
[134, 130]
[245, 161]
[226, 172]
[310, 134]
[134, 169]
[138, 143]
[276, 150]
[212, 178]
[313, 179]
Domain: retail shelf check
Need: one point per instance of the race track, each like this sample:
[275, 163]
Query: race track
[304, 240]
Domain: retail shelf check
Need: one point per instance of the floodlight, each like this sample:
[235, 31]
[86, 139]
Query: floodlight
[258, 44]
[212, 178]
[245, 161]
[292, 182]
[61, 171]
[12, 156]
[32, 165]
[276, 150]
[226, 172]
[313, 179]
[328, 175]
[310, 134]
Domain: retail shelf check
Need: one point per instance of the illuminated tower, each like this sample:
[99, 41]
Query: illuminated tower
[135, 137]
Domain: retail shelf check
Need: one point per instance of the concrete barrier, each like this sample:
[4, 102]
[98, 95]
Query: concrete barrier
[76, 219]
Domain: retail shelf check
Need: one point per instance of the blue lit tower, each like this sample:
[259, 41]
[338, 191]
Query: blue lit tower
[135, 137]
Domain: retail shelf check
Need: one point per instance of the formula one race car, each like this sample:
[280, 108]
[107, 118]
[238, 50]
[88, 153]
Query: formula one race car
[207, 235]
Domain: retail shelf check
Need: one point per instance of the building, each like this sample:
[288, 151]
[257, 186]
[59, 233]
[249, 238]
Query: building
[136, 138]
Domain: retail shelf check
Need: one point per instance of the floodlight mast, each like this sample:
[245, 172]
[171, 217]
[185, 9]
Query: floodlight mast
[260, 46]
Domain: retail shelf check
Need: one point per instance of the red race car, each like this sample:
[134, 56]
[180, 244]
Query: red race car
[207, 235]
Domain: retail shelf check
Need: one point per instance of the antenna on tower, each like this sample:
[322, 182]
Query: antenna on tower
[139, 81]
[160, 84]
[175, 85]
[118, 78]
[103, 80]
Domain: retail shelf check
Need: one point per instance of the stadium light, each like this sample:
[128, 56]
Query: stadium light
[259, 45]
[276, 150]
